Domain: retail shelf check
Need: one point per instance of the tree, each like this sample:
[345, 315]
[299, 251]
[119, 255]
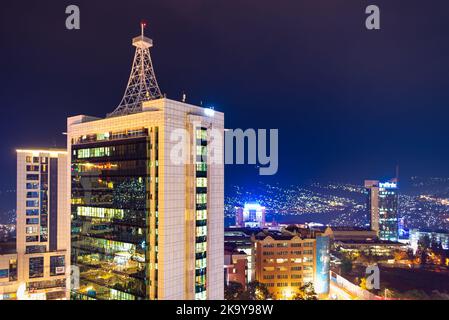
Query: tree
[410, 255]
[306, 292]
[399, 255]
[444, 257]
[256, 291]
[439, 252]
[424, 244]
[346, 266]
[233, 291]
[363, 284]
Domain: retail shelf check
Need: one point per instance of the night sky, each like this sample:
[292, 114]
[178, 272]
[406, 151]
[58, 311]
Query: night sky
[349, 103]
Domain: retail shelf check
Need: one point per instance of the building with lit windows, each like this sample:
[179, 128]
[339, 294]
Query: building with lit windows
[342, 233]
[39, 268]
[383, 209]
[439, 237]
[145, 226]
[286, 260]
[252, 215]
[237, 243]
[236, 267]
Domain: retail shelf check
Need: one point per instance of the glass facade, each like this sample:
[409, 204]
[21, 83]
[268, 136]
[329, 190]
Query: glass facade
[201, 215]
[37, 198]
[388, 214]
[57, 265]
[114, 214]
[44, 200]
[36, 267]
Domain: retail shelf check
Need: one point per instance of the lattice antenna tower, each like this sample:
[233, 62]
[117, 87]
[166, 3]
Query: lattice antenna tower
[142, 84]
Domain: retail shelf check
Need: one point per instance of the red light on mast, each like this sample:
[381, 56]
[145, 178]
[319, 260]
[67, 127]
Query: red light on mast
[143, 25]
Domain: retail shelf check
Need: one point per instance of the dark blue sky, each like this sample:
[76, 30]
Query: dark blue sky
[349, 103]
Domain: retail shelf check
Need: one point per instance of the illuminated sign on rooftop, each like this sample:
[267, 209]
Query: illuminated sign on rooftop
[210, 112]
[388, 185]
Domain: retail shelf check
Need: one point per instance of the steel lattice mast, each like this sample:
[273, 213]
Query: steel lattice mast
[142, 83]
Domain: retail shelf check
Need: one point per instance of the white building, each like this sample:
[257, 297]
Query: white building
[149, 224]
[39, 269]
[252, 215]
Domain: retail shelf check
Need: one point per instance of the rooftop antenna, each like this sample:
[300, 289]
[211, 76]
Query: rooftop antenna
[142, 84]
[396, 178]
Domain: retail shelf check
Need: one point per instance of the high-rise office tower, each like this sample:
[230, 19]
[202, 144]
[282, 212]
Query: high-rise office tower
[144, 224]
[238, 216]
[39, 269]
[383, 208]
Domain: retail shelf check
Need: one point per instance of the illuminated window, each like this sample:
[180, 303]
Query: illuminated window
[308, 268]
[201, 182]
[201, 198]
[281, 260]
[281, 268]
[102, 213]
[94, 152]
[201, 231]
[201, 214]
[201, 247]
[308, 259]
[201, 151]
[200, 263]
[201, 166]
[30, 230]
[201, 134]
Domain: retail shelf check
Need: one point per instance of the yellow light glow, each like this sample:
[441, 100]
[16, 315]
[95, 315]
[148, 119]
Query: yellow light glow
[36, 152]
[287, 293]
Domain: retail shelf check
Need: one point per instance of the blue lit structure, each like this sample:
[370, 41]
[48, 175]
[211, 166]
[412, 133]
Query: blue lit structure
[322, 265]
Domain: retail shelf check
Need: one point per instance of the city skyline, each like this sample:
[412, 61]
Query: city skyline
[385, 95]
[175, 191]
